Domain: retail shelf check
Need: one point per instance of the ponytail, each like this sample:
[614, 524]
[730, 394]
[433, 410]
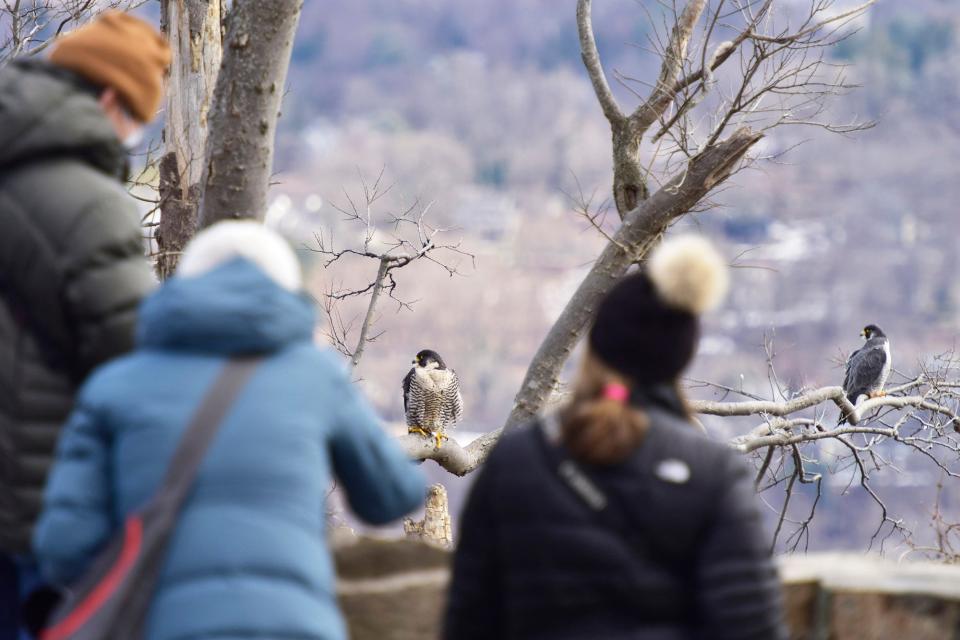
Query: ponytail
[599, 427]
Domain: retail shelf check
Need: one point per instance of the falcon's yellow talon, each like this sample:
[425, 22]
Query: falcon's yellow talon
[438, 438]
[418, 430]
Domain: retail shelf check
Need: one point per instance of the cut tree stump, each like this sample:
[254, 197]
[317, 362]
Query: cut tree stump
[435, 527]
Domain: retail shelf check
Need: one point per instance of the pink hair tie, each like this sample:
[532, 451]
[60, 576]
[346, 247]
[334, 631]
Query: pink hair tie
[617, 392]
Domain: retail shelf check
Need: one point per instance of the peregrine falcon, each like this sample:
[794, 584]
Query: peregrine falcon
[868, 367]
[431, 397]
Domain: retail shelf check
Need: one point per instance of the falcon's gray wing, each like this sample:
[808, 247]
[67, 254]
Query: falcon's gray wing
[406, 390]
[864, 369]
[413, 400]
[846, 373]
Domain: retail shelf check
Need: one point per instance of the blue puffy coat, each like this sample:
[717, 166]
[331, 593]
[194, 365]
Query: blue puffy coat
[248, 558]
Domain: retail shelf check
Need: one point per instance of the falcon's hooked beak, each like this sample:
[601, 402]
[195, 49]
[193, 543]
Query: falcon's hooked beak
[863, 333]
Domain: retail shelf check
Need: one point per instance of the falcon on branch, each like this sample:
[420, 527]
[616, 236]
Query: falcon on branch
[868, 367]
[431, 397]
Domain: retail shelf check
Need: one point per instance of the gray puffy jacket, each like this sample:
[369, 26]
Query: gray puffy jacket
[72, 270]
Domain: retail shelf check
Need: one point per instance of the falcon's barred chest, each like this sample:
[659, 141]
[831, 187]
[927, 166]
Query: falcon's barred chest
[433, 399]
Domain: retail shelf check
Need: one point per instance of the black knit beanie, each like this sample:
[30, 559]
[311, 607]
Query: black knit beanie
[647, 328]
[638, 335]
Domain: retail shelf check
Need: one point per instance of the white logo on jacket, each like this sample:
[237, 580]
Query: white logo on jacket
[673, 471]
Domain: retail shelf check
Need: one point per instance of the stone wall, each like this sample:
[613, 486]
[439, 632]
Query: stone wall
[394, 590]
[841, 596]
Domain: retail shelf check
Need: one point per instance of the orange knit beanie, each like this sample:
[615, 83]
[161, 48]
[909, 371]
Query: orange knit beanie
[118, 51]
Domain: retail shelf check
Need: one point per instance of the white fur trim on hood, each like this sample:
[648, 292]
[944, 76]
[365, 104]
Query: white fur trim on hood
[231, 239]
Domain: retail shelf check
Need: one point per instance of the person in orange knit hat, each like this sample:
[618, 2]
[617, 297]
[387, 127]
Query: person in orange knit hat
[127, 58]
[72, 268]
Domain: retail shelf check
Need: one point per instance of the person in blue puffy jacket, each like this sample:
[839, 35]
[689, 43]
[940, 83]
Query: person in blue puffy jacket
[248, 558]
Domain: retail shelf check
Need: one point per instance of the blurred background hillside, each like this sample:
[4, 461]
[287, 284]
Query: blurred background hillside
[484, 110]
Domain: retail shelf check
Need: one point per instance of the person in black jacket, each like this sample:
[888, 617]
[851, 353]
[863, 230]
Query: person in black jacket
[616, 517]
[72, 265]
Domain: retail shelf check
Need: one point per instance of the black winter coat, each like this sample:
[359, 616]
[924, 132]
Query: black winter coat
[534, 561]
[72, 270]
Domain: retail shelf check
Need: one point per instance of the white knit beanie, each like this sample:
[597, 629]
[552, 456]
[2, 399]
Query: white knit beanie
[231, 239]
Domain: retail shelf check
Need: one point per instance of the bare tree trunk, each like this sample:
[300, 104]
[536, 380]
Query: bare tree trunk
[629, 182]
[193, 28]
[246, 107]
[640, 229]
[629, 178]
[371, 311]
[644, 217]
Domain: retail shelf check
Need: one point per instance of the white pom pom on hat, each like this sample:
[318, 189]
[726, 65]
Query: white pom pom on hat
[648, 326]
[689, 273]
[247, 239]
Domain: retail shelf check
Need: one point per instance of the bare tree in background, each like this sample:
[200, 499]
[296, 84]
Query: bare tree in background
[794, 438]
[945, 547]
[392, 242]
[226, 86]
[691, 131]
[730, 71]
[222, 107]
[225, 95]
[782, 78]
[27, 27]
[798, 440]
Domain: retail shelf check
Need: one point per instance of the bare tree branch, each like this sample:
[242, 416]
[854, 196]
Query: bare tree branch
[918, 416]
[451, 456]
[673, 60]
[591, 60]
[412, 238]
[696, 163]
[810, 399]
[28, 28]
[640, 229]
[371, 309]
[723, 51]
[777, 431]
[800, 35]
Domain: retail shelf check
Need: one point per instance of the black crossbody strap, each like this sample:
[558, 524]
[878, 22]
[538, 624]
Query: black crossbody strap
[590, 493]
[203, 427]
[611, 513]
